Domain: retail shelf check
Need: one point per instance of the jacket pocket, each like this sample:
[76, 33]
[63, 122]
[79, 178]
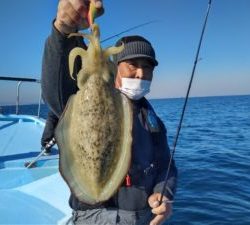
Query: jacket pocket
[135, 197]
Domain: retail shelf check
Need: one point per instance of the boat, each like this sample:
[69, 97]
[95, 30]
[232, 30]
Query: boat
[35, 195]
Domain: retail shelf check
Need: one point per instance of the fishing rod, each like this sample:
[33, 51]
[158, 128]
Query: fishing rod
[49, 145]
[185, 103]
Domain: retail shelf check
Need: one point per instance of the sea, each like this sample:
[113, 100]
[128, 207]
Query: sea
[212, 156]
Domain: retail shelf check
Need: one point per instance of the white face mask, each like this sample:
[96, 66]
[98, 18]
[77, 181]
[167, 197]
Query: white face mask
[135, 88]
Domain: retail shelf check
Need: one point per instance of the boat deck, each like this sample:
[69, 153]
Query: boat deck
[29, 196]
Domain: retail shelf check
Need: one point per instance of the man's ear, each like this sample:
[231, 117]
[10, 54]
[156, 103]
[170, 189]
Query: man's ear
[118, 80]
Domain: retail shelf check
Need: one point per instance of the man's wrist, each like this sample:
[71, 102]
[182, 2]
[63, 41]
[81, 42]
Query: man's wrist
[64, 29]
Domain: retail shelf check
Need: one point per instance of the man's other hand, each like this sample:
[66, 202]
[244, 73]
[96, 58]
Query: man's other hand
[161, 212]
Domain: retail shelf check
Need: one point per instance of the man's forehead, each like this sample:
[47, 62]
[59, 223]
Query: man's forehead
[141, 60]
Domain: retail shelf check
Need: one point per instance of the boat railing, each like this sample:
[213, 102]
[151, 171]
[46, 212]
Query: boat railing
[20, 80]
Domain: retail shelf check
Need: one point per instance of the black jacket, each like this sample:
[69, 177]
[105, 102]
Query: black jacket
[150, 151]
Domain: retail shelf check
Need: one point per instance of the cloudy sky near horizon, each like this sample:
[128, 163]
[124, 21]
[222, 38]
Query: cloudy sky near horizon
[224, 68]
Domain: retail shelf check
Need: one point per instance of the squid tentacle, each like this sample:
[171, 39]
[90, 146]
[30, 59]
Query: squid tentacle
[72, 56]
[112, 51]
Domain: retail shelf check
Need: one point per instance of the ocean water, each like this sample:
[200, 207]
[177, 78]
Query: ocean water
[213, 159]
[212, 156]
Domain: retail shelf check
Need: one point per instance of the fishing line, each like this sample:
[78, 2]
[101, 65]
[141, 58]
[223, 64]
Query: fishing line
[130, 29]
[185, 103]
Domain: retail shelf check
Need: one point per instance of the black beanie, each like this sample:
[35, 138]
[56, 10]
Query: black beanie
[135, 47]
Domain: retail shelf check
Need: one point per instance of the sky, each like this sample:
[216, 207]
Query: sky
[223, 68]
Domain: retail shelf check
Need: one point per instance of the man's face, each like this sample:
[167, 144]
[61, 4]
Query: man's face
[138, 68]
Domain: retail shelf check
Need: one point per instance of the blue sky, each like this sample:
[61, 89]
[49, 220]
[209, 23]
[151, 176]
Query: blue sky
[224, 68]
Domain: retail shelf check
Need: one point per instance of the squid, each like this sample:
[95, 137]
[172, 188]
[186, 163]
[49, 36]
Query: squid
[94, 133]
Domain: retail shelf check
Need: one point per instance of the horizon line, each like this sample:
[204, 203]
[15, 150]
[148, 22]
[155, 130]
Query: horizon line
[160, 98]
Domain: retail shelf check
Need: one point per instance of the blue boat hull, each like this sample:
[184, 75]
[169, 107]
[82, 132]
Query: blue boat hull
[29, 196]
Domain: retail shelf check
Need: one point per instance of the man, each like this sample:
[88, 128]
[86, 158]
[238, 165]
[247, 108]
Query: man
[137, 200]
